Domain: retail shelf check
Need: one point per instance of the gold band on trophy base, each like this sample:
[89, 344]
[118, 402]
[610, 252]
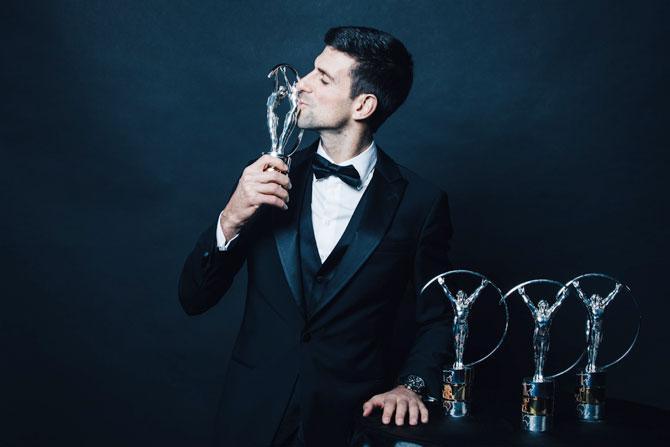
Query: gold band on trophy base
[456, 391]
[537, 406]
[590, 395]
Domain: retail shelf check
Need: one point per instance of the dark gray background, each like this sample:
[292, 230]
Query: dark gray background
[124, 124]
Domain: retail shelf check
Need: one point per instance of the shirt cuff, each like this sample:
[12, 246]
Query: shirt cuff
[221, 242]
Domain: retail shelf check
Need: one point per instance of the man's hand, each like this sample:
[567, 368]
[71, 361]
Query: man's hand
[398, 400]
[263, 182]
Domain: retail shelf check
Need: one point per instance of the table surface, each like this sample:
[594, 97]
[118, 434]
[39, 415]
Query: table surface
[626, 423]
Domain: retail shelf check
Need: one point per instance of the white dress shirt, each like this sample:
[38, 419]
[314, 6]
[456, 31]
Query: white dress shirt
[333, 202]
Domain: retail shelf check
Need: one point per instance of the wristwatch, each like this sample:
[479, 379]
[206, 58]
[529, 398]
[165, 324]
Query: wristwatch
[413, 383]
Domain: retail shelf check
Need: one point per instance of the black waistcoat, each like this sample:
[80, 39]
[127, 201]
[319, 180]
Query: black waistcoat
[315, 274]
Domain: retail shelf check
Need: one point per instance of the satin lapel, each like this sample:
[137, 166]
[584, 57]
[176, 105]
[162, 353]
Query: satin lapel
[386, 190]
[286, 223]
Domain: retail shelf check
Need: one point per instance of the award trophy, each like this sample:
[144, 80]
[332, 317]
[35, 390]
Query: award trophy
[457, 380]
[590, 392]
[537, 399]
[284, 91]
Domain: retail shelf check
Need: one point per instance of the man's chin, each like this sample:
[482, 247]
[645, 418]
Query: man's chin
[306, 126]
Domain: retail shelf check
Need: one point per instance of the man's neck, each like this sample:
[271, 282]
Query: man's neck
[342, 146]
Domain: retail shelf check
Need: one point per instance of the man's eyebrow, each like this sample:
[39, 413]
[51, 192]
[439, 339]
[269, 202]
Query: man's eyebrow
[321, 70]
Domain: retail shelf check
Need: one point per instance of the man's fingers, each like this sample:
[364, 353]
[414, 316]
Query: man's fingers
[368, 406]
[424, 412]
[400, 412]
[269, 199]
[389, 408]
[274, 189]
[413, 412]
[400, 405]
[273, 176]
[267, 161]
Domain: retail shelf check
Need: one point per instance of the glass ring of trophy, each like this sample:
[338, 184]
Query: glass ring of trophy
[285, 91]
[537, 392]
[457, 380]
[590, 391]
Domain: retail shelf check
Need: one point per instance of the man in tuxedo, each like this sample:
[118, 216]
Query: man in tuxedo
[328, 270]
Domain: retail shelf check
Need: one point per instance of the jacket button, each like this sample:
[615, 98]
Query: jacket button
[205, 254]
[319, 278]
[306, 337]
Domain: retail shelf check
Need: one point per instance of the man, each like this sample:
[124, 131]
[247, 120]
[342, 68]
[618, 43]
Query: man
[331, 247]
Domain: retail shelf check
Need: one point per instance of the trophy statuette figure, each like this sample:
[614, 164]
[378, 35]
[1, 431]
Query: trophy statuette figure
[596, 305]
[284, 91]
[542, 316]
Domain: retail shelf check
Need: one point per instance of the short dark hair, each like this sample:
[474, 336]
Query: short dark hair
[384, 67]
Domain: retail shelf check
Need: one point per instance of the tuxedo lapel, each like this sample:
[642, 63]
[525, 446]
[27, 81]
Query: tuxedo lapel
[286, 222]
[386, 189]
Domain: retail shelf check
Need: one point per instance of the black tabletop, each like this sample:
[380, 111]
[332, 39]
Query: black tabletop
[499, 424]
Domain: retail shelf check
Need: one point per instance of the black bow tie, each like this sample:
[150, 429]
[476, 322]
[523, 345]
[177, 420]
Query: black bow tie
[348, 174]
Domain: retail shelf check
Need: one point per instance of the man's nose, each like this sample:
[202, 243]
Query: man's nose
[302, 85]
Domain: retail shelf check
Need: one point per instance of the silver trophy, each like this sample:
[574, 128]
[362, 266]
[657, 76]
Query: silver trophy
[457, 381]
[285, 91]
[537, 394]
[590, 393]
[542, 314]
[461, 304]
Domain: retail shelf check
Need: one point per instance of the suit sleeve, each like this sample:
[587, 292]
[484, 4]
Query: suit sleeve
[209, 272]
[429, 352]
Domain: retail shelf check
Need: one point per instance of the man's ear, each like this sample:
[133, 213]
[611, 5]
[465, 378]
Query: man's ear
[364, 106]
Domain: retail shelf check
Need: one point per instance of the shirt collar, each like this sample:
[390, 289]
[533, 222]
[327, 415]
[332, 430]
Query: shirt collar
[363, 162]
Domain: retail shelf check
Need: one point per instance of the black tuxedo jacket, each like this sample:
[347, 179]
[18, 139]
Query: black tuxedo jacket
[342, 353]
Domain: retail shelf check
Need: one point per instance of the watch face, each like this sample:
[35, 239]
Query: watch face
[416, 379]
[415, 383]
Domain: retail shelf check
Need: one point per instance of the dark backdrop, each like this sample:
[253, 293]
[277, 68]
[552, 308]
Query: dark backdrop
[124, 123]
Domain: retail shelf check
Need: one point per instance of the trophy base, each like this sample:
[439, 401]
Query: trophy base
[591, 412]
[456, 391]
[535, 423]
[456, 409]
[537, 405]
[590, 396]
